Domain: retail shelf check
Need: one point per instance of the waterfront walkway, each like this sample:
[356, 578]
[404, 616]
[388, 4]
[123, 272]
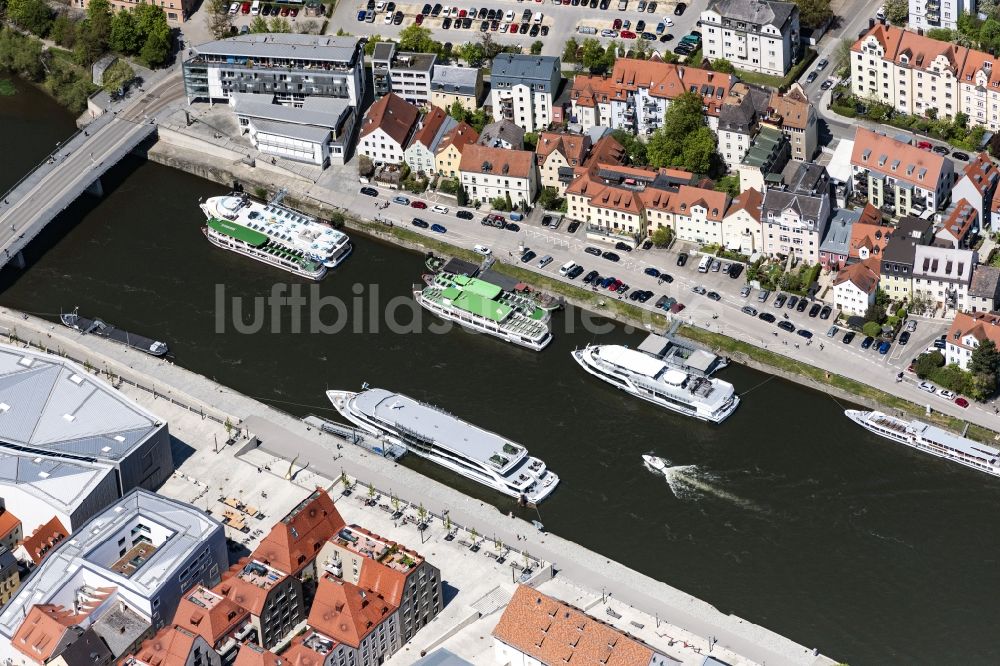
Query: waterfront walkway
[288, 437]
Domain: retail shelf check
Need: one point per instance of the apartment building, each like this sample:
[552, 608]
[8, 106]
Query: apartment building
[502, 134]
[636, 95]
[174, 646]
[294, 541]
[897, 177]
[967, 332]
[9, 576]
[960, 226]
[795, 216]
[855, 287]
[453, 83]
[899, 255]
[11, 530]
[557, 154]
[542, 630]
[420, 155]
[220, 620]
[272, 598]
[984, 292]
[77, 445]
[142, 553]
[387, 128]
[315, 130]
[977, 184]
[448, 156]
[523, 89]
[754, 35]
[769, 154]
[929, 14]
[942, 276]
[290, 66]
[741, 228]
[405, 74]
[32, 550]
[350, 622]
[489, 173]
[739, 121]
[795, 116]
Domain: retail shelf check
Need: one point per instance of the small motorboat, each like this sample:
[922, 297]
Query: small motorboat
[655, 463]
[538, 526]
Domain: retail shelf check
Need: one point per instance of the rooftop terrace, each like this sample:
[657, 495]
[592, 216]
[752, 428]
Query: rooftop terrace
[372, 546]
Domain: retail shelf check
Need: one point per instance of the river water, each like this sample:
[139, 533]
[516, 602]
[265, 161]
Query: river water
[787, 515]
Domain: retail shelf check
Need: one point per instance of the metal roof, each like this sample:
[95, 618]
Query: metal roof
[50, 405]
[324, 112]
[455, 80]
[284, 45]
[57, 482]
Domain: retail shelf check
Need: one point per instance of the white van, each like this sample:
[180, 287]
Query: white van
[538, 17]
[255, 8]
[705, 262]
[567, 267]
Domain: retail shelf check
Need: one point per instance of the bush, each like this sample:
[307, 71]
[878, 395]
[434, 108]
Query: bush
[662, 236]
[501, 204]
[449, 186]
[954, 378]
[872, 329]
[337, 220]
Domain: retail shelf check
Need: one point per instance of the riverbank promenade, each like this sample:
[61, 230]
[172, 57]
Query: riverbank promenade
[289, 438]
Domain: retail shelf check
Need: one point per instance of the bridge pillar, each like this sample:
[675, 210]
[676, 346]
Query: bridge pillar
[96, 189]
[19, 260]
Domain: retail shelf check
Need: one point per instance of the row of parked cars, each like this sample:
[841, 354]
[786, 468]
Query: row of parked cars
[257, 8]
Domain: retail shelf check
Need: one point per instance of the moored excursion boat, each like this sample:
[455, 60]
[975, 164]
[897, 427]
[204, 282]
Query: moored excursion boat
[102, 329]
[656, 381]
[434, 434]
[275, 235]
[930, 439]
[485, 307]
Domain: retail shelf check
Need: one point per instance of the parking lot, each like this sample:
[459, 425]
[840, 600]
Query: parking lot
[559, 22]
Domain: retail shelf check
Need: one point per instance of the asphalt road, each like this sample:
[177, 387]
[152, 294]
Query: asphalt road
[723, 316]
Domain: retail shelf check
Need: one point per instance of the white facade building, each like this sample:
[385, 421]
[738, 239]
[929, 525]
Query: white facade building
[489, 173]
[387, 128]
[523, 88]
[755, 35]
[930, 14]
[966, 333]
[942, 275]
[855, 288]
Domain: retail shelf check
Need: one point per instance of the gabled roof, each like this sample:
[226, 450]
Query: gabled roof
[555, 633]
[606, 150]
[251, 654]
[688, 197]
[572, 147]
[903, 161]
[430, 128]
[244, 591]
[749, 200]
[497, 161]
[209, 614]
[791, 109]
[982, 172]
[759, 12]
[171, 646]
[904, 47]
[502, 131]
[347, 612]
[668, 80]
[295, 540]
[42, 631]
[8, 522]
[459, 136]
[985, 282]
[44, 539]
[394, 115]
[863, 275]
[960, 221]
[87, 650]
[981, 325]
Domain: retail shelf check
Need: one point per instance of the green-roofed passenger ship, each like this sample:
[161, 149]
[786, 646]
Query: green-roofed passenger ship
[246, 241]
[484, 307]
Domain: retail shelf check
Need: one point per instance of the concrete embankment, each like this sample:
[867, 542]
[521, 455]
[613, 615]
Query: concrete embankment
[289, 437]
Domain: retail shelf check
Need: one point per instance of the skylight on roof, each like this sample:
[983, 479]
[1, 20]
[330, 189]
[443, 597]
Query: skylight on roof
[106, 449]
[76, 379]
[26, 361]
[43, 475]
[119, 439]
[69, 417]
[4, 407]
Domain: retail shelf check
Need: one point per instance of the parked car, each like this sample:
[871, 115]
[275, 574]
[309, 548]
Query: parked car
[369, 191]
[792, 301]
[762, 296]
[464, 215]
[592, 250]
[924, 145]
[610, 256]
[814, 310]
[832, 332]
[822, 63]
[545, 261]
[590, 277]
[482, 249]
[884, 347]
[766, 316]
[716, 265]
[421, 205]
[512, 227]
[624, 247]
[848, 337]
[786, 325]
[679, 9]
[745, 291]
[803, 304]
[682, 258]
[714, 295]
[941, 343]
[804, 333]
[867, 342]
[573, 226]
[826, 85]
[946, 394]
[962, 402]
[527, 256]
[439, 229]
[750, 310]
[825, 312]
[927, 386]
[779, 301]
[698, 289]
[420, 224]
[940, 150]
[575, 273]
[666, 277]
[911, 325]
[904, 337]
[960, 156]
[735, 270]
[652, 272]
[402, 201]
[812, 77]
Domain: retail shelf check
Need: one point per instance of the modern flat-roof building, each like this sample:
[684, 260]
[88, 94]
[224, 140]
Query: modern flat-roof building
[406, 74]
[70, 444]
[289, 66]
[315, 130]
[143, 552]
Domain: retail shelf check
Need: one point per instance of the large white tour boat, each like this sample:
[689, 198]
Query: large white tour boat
[654, 380]
[275, 235]
[485, 307]
[930, 439]
[431, 433]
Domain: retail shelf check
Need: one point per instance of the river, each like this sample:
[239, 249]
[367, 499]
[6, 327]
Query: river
[787, 514]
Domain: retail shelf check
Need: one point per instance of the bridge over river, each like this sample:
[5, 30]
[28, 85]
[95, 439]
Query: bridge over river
[77, 165]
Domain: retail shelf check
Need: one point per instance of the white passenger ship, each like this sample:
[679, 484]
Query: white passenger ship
[428, 432]
[253, 244]
[652, 379]
[930, 439]
[296, 233]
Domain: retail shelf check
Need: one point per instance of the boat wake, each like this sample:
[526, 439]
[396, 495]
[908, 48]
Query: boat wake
[692, 483]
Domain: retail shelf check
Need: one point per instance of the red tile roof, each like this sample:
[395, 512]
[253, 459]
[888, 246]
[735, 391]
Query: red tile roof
[251, 654]
[42, 631]
[394, 115]
[553, 632]
[573, 147]
[298, 654]
[8, 523]
[688, 197]
[878, 153]
[171, 646]
[43, 539]
[346, 612]
[502, 162]
[918, 51]
[461, 135]
[295, 540]
[981, 325]
[863, 275]
[871, 236]
[209, 614]
[961, 220]
[431, 123]
[749, 200]
[242, 591]
[607, 151]
[982, 172]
